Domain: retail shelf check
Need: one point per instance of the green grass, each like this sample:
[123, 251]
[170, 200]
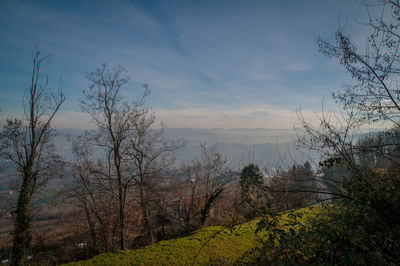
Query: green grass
[211, 245]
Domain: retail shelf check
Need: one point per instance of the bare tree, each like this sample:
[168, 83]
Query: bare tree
[90, 196]
[214, 166]
[190, 202]
[27, 143]
[372, 99]
[375, 95]
[351, 164]
[136, 154]
[116, 122]
[206, 183]
[150, 154]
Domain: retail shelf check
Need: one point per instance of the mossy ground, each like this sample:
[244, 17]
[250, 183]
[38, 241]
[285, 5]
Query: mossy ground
[212, 245]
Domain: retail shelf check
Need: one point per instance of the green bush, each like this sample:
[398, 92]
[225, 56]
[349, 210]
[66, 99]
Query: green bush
[361, 228]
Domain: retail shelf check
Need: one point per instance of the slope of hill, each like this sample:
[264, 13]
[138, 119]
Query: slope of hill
[211, 245]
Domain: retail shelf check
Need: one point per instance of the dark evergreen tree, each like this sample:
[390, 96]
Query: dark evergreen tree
[250, 177]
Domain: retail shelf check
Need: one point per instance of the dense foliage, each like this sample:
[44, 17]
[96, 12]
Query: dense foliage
[362, 228]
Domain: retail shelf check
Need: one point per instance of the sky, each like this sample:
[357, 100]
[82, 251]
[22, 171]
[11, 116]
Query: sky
[208, 64]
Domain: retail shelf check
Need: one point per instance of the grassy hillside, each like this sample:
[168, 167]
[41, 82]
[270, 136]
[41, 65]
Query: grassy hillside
[216, 245]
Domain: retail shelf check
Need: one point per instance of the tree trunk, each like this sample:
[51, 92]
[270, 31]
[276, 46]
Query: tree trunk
[148, 228]
[91, 224]
[22, 237]
[122, 221]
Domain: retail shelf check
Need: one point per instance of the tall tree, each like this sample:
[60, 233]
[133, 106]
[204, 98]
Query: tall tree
[27, 143]
[116, 122]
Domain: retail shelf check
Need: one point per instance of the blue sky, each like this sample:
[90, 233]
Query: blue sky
[209, 64]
